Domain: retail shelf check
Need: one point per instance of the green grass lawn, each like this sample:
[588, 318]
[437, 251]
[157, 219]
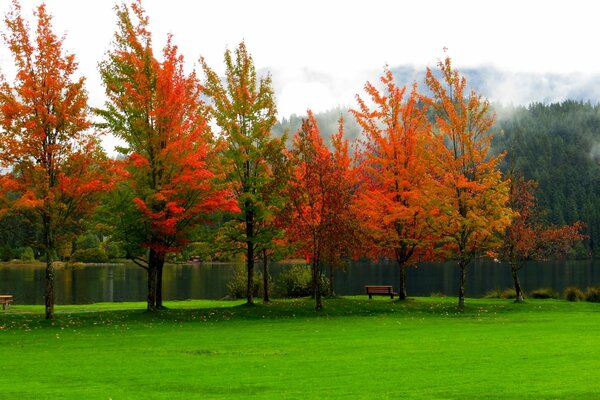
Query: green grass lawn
[355, 348]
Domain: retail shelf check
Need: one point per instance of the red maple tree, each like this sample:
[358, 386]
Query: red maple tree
[320, 192]
[54, 166]
[172, 160]
[527, 238]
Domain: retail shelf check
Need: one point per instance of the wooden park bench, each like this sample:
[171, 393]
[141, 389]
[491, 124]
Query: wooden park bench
[384, 290]
[6, 300]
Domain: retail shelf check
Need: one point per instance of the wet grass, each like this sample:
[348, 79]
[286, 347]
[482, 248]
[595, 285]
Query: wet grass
[355, 348]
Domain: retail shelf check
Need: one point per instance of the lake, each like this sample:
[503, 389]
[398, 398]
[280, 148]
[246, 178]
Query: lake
[116, 283]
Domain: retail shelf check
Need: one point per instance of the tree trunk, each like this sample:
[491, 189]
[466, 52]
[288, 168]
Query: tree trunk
[461, 284]
[515, 275]
[402, 290]
[155, 260]
[159, 275]
[250, 253]
[265, 278]
[316, 286]
[49, 244]
[49, 297]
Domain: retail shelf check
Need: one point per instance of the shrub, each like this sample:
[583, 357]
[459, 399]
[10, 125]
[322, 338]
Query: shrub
[26, 254]
[573, 293]
[93, 255]
[508, 293]
[297, 282]
[544, 293]
[238, 285]
[88, 241]
[114, 250]
[592, 294]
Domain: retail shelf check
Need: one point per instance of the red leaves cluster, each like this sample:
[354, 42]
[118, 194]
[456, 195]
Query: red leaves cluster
[321, 193]
[172, 165]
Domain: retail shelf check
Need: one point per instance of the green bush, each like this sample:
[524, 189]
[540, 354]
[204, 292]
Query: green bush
[573, 293]
[592, 294]
[297, 282]
[93, 255]
[114, 250]
[508, 293]
[88, 241]
[238, 285]
[26, 254]
[544, 293]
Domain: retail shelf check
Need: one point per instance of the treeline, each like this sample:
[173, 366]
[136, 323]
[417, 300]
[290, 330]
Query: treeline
[422, 183]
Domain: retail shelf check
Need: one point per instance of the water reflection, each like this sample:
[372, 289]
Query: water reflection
[116, 283]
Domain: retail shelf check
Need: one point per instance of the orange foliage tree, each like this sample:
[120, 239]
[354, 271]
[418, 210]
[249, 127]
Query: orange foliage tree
[320, 192]
[170, 178]
[472, 194]
[527, 238]
[394, 200]
[52, 162]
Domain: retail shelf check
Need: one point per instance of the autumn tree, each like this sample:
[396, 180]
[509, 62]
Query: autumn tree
[244, 108]
[51, 160]
[171, 167]
[472, 192]
[528, 238]
[394, 200]
[320, 192]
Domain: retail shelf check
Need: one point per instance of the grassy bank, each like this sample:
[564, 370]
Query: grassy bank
[356, 348]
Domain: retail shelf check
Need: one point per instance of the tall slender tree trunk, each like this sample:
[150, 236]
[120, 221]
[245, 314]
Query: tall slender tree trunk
[159, 280]
[462, 265]
[265, 277]
[402, 290]
[515, 275]
[154, 260]
[316, 285]
[250, 253]
[49, 295]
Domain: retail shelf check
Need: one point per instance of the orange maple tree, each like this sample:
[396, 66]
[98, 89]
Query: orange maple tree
[527, 238]
[171, 172]
[53, 166]
[472, 194]
[394, 200]
[320, 193]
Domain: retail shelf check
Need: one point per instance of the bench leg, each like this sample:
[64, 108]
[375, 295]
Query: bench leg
[370, 296]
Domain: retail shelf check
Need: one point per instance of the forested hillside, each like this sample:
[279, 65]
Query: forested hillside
[556, 145]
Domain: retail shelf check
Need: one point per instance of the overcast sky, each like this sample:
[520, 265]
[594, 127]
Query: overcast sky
[320, 53]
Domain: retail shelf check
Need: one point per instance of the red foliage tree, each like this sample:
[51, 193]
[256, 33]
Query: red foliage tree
[171, 169]
[320, 192]
[53, 162]
[394, 200]
[527, 238]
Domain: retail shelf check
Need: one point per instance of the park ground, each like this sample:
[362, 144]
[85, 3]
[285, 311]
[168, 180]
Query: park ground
[422, 348]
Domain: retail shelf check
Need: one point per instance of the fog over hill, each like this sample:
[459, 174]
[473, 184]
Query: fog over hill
[499, 86]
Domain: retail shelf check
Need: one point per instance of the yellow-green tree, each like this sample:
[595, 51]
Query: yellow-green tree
[472, 194]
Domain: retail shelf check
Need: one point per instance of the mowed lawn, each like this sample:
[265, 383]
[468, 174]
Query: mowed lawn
[355, 348]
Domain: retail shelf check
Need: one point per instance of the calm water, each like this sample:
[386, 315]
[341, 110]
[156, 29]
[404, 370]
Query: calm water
[209, 281]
